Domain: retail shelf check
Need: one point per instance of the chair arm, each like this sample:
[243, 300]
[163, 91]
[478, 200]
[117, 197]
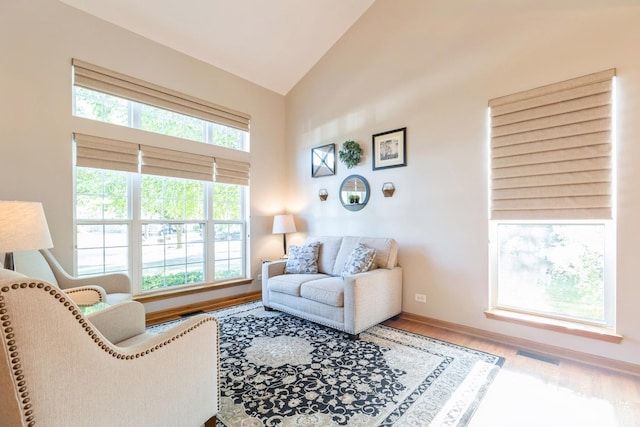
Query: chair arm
[86, 295]
[189, 350]
[120, 322]
[372, 297]
[112, 283]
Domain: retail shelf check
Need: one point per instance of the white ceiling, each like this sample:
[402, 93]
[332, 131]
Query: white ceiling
[272, 43]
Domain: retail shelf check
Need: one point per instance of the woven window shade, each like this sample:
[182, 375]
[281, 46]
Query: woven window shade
[231, 172]
[101, 79]
[551, 151]
[105, 153]
[177, 164]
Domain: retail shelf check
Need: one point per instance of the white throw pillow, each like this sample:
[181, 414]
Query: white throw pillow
[360, 260]
[303, 259]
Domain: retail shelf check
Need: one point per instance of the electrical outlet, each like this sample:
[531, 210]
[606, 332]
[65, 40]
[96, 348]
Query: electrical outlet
[259, 276]
[421, 298]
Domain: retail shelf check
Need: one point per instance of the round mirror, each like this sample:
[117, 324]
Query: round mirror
[354, 192]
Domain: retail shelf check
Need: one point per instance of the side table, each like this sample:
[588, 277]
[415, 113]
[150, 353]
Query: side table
[88, 309]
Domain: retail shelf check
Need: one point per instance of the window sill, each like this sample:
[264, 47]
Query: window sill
[562, 326]
[205, 287]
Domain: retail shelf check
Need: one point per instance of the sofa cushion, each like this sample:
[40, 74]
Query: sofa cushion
[290, 283]
[359, 260]
[303, 259]
[386, 251]
[329, 247]
[328, 291]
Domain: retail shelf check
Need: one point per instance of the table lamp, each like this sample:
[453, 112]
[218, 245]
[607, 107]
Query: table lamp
[23, 227]
[283, 224]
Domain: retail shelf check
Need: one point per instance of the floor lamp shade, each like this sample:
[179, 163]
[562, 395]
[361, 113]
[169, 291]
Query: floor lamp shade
[23, 227]
[283, 224]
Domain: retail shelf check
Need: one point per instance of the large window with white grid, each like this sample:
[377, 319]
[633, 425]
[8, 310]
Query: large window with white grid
[169, 216]
[552, 205]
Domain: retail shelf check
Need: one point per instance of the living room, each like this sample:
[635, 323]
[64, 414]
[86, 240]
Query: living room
[429, 66]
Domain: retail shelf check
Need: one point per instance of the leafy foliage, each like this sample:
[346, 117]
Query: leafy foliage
[158, 281]
[101, 194]
[350, 153]
[556, 269]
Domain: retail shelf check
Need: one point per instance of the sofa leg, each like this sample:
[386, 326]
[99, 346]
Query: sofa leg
[211, 422]
[354, 337]
[267, 308]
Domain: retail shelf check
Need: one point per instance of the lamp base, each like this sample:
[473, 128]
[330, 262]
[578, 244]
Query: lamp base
[8, 261]
[284, 245]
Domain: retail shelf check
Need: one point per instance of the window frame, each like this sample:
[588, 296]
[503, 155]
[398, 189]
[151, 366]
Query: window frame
[233, 157]
[564, 324]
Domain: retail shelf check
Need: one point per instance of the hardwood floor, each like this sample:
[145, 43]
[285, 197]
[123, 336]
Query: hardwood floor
[534, 393]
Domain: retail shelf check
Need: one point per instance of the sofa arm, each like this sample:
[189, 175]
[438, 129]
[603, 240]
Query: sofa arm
[121, 321]
[270, 269]
[372, 297]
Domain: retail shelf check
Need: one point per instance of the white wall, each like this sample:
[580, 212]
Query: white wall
[38, 38]
[432, 66]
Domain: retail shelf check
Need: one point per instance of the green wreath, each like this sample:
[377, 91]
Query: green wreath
[350, 154]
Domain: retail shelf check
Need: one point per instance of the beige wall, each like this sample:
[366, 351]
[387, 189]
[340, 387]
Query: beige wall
[432, 66]
[38, 38]
[428, 65]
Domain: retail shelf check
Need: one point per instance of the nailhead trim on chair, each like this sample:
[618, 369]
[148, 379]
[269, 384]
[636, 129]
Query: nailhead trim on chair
[69, 292]
[14, 354]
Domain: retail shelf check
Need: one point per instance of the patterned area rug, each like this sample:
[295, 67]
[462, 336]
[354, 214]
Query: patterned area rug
[279, 370]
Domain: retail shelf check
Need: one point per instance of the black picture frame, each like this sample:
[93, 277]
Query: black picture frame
[323, 161]
[389, 149]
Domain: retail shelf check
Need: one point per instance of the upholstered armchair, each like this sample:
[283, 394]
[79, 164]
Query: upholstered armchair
[61, 368]
[110, 288]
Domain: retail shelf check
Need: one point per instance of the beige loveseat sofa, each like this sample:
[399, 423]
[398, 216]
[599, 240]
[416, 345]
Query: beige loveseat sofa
[352, 303]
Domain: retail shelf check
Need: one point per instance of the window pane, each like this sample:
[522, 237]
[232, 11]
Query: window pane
[102, 248]
[172, 254]
[101, 194]
[103, 107]
[229, 247]
[227, 202]
[555, 269]
[171, 198]
[100, 106]
[169, 123]
[228, 137]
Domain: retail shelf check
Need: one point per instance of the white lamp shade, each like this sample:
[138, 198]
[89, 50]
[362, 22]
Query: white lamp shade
[23, 227]
[283, 224]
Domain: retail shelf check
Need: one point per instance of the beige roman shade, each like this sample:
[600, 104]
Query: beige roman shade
[101, 79]
[105, 153]
[551, 151]
[231, 171]
[176, 164]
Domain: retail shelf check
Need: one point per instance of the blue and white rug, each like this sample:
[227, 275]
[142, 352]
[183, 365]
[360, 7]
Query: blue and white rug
[279, 370]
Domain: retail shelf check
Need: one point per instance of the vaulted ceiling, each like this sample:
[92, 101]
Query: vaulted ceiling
[272, 43]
